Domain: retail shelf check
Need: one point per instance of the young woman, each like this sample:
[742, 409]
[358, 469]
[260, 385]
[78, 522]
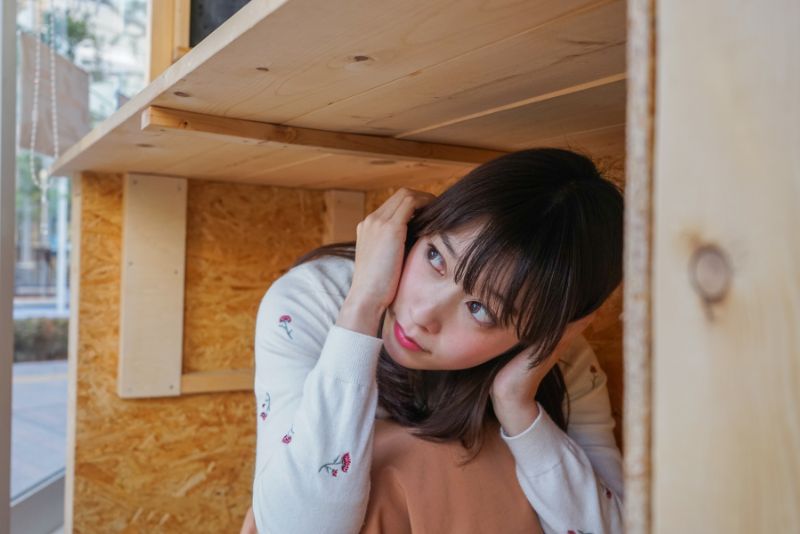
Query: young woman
[449, 314]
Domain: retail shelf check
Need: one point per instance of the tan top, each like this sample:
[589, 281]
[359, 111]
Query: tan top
[418, 486]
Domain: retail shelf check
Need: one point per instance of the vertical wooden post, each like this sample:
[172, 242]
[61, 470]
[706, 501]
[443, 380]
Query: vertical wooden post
[72, 347]
[726, 264]
[638, 265]
[182, 25]
[168, 31]
[160, 29]
[344, 210]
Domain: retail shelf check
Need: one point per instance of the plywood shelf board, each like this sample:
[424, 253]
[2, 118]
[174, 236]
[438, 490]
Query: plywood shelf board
[364, 70]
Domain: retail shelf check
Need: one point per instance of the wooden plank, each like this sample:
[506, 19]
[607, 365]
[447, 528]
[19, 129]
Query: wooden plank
[577, 47]
[152, 287]
[637, 333]
[246, 71]
[591, 107]
[339, 60]
[726, 293]
[258, 133]
[73, 339]
[217, 381]
[343, 211]
[365, 174]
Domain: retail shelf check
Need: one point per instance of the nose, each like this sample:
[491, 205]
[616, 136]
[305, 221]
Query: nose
[428, 314]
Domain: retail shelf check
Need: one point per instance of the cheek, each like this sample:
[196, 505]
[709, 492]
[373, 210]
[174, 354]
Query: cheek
[464, 350]
[412, 277]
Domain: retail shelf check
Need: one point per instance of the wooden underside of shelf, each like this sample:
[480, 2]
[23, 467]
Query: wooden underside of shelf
[466, 74]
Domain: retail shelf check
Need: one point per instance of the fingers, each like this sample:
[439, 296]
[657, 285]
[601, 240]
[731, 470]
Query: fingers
[405, 210]
[402, 196]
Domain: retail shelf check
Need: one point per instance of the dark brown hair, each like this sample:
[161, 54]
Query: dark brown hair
[552, 228]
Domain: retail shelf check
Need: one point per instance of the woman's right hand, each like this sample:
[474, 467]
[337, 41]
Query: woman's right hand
[380, 246]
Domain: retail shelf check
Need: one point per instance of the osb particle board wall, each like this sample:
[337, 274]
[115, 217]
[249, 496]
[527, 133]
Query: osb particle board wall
[179, 464]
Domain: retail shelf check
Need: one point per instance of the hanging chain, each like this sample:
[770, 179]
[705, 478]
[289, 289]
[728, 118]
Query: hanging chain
[35, 107]
[40, 178]
[53, 104]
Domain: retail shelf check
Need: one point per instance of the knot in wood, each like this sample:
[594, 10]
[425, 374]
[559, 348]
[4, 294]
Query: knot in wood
[710, 273]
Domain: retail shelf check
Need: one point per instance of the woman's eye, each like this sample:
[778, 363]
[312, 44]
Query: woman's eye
[486, 318]
[433, 255]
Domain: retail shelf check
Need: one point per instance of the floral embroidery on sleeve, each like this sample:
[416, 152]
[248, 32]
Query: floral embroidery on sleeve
[287, 438]
[283, 322]
[593, 370]
[265, 406]
[343, 462]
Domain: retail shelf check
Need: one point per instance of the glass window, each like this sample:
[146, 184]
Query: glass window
[101, 50]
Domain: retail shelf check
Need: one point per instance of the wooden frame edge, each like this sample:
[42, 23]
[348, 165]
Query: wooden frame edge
[73, 340]
[637, 337]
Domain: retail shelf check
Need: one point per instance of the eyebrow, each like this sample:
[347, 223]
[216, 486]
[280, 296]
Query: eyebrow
[446, 241]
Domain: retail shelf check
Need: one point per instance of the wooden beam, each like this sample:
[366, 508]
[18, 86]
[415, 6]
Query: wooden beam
[182, 26]
[160, 32]
[226, 129]
[343, 211]
[217, 381]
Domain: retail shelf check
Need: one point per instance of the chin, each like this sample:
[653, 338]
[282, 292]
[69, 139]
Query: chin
[399, 361]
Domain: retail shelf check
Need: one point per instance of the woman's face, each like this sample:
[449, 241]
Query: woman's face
[432, 324]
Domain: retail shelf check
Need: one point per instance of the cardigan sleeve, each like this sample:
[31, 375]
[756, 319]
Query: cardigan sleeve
[316, 396]
[574, 480]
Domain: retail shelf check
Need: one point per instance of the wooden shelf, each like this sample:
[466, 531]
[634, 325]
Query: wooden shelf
[466, 74]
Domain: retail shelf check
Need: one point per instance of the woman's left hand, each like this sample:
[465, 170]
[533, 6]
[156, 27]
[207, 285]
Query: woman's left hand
[514, 387]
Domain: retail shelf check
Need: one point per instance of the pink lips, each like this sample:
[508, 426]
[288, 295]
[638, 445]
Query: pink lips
[404, 340]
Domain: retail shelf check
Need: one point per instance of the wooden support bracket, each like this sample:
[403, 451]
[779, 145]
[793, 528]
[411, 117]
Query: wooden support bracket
[152, 300]
[157, 119]
[216, 381]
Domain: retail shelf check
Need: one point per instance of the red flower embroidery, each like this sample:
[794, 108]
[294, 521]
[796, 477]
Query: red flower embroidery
[346, 462]
[343, 461]
[287, 438]
[283, 322]
[593, 370]
[265, 407]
